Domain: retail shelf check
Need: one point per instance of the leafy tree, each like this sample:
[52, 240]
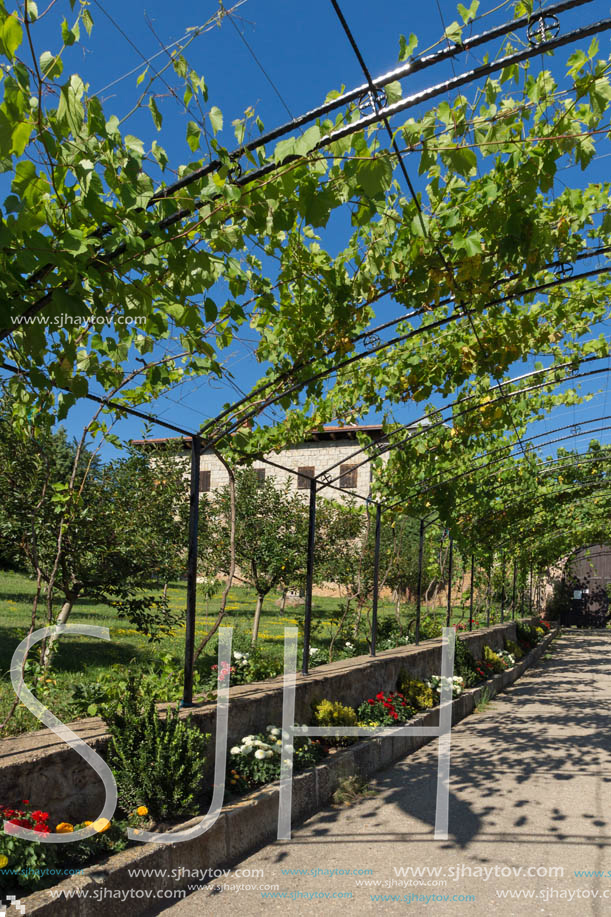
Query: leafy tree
[108, 531]
[270, 535]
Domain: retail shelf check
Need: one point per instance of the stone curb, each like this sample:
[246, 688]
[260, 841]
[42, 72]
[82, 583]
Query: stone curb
[243, 826]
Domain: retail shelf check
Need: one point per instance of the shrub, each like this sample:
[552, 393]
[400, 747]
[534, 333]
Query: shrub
[256, 760]
[156, 760]
[527, 636]
[418, 694]
[385, 709]
[464, 664]
[332, 713]
[430, 628]
[494, 660]
[512, 647]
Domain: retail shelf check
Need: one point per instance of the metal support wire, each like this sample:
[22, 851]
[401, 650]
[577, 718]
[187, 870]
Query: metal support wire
[375, 348]
[187, 697]
[380, 115]
[307, 622]
[422, 429]
[376, 580]
[353, 95]
[450, 558]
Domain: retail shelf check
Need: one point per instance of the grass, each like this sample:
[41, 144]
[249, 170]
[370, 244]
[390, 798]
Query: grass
[87, 660]
[485, 700]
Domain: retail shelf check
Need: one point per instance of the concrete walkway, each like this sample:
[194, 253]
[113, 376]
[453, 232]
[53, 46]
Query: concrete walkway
[530, 790]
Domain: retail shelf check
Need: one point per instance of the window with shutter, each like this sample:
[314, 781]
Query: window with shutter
[259, 474]
[305, 473]
[348, 476]
[204, 482]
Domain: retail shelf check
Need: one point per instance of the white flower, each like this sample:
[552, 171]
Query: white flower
[313, 651]
[236, 750]
[246, 749]
[248, 740]
[260, 754]
[273, 730]
[268, 754]
[278, 741]
[349, 645]
[237, 655]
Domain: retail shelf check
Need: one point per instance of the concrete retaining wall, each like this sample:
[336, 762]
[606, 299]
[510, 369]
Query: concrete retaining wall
[41, 768]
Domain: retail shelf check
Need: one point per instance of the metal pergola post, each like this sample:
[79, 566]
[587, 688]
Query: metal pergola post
[471, 593]
[502, 587]
[449, 611]
[530, 591]
[307, 622]
[376, 577]
[513, 597]
[489, 591]
[419, 592]
[196, 449]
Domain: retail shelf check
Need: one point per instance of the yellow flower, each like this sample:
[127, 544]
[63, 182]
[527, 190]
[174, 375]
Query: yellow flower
[101, 824]
[3, 861]
[87, 823]
[142, 810]
[64, 827]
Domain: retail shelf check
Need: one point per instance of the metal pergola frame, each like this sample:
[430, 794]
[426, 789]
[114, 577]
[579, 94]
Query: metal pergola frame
[209, 434]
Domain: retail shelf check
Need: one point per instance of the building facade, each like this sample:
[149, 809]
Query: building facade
[330, 448]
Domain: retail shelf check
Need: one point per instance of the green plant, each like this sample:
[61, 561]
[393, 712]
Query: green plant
[512, 647]
[418, 694]
[484, 701]
[430, 628]
[157, 760]
[350, 790]
[494, 660]
[464, 663]
[332, 713]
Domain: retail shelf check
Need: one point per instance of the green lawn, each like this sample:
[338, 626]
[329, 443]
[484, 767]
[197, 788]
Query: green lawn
[85, 659]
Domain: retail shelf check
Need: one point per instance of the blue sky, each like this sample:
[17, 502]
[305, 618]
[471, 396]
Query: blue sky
[280, 57]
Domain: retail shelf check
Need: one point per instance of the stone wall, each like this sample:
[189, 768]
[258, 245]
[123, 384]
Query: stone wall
[317, 454]
[41, 768]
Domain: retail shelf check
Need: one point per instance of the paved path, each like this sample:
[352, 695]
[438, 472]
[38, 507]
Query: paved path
[530, 788]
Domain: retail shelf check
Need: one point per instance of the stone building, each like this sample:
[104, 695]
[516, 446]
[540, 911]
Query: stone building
[331, 446]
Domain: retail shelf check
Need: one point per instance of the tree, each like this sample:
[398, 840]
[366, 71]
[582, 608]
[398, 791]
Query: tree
[106, 531]
[270, 535]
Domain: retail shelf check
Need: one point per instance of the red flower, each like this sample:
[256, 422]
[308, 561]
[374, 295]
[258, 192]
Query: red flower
[394, 715]
[26, 802]
[41, 828]
[371, 701]
[22, 822]
[40, 816]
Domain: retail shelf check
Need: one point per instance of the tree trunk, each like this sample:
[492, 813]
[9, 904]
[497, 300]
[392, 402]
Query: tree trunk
[398, 611]
[257, 618]
[165, 591]
[283, 605]
[62, 617]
